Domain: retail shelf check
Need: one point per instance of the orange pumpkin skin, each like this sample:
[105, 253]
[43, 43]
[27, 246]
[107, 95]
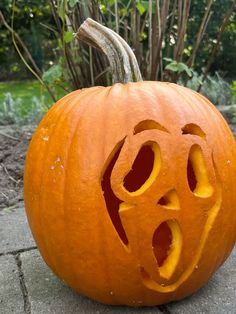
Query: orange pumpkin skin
[155, 243]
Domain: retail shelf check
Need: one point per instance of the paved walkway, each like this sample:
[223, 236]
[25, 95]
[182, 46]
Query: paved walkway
[27, 285]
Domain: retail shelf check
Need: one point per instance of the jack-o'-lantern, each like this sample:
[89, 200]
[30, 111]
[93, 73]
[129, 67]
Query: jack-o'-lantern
[129, 189]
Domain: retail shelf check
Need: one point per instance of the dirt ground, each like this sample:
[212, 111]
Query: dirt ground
[14, 141]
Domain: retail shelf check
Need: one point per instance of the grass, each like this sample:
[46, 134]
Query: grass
[27, 98]
[26, 90]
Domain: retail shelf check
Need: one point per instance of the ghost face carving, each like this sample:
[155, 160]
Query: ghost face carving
[152, 200]
[131, 199]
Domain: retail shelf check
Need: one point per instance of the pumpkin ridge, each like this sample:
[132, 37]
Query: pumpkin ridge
[49, 115]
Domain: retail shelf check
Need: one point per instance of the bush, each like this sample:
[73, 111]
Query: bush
[11, 110]
[234, 91]
[215, 88]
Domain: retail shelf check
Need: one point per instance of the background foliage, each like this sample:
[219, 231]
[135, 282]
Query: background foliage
[39, 24]
[192, 42]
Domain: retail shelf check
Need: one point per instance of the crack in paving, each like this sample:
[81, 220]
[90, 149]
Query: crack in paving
[15, 252]
[164, 309]
[27, 305]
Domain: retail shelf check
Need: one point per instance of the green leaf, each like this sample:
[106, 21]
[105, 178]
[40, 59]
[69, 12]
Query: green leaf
[143, 35]
[179, 67]
[168, 59]
[184, 68]
[53, 74]
[124, 12]
[68, 37]
[141, 9]
[189, 72]
[103, 8]
[173, 66]
[72, 3]
[234, 86]
[145, 4]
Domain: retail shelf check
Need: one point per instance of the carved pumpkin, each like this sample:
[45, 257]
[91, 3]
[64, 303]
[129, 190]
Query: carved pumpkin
[129, 191]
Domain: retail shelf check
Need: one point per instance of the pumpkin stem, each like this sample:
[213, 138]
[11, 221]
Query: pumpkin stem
[121, 58]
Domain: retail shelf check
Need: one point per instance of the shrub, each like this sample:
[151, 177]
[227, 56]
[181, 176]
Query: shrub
[215, 88]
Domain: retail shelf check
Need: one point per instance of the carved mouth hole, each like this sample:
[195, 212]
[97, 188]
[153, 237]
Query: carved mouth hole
[161, 243]
[144, 169]
[112, 201]
[197, 173]
[167, 245]
[148, 125]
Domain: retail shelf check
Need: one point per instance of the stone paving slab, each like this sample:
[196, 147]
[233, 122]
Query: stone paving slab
[47, 294]
[218, 296]
[11, 300]
[14, 231]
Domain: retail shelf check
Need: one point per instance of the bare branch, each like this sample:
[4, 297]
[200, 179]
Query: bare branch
[218, 40]
[117, 16]
[201, 32]
[150, 36]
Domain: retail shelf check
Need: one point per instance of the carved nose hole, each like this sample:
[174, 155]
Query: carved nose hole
[167, 244]
[197, 173]
[170, 200]
[144, 169]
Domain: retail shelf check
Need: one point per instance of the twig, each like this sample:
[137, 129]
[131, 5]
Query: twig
[183, 12]
[91, 65]
[150, 46]
[7, 173]
[9, 136]
[117, 16]
[170, 27]
[6, 197]
[101, 73]
[161, 14]
[201, 32]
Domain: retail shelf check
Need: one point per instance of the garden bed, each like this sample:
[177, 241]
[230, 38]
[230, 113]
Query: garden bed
[14, 141]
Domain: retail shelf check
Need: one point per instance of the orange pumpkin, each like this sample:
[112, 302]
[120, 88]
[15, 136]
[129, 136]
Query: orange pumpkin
[129, 191]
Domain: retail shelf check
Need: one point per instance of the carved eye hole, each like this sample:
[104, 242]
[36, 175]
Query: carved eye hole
[144, 169]
[193, 129]
[148, 125]
[197, 173]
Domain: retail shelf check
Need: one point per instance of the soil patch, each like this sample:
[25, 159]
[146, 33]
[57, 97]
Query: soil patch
[14, 141]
